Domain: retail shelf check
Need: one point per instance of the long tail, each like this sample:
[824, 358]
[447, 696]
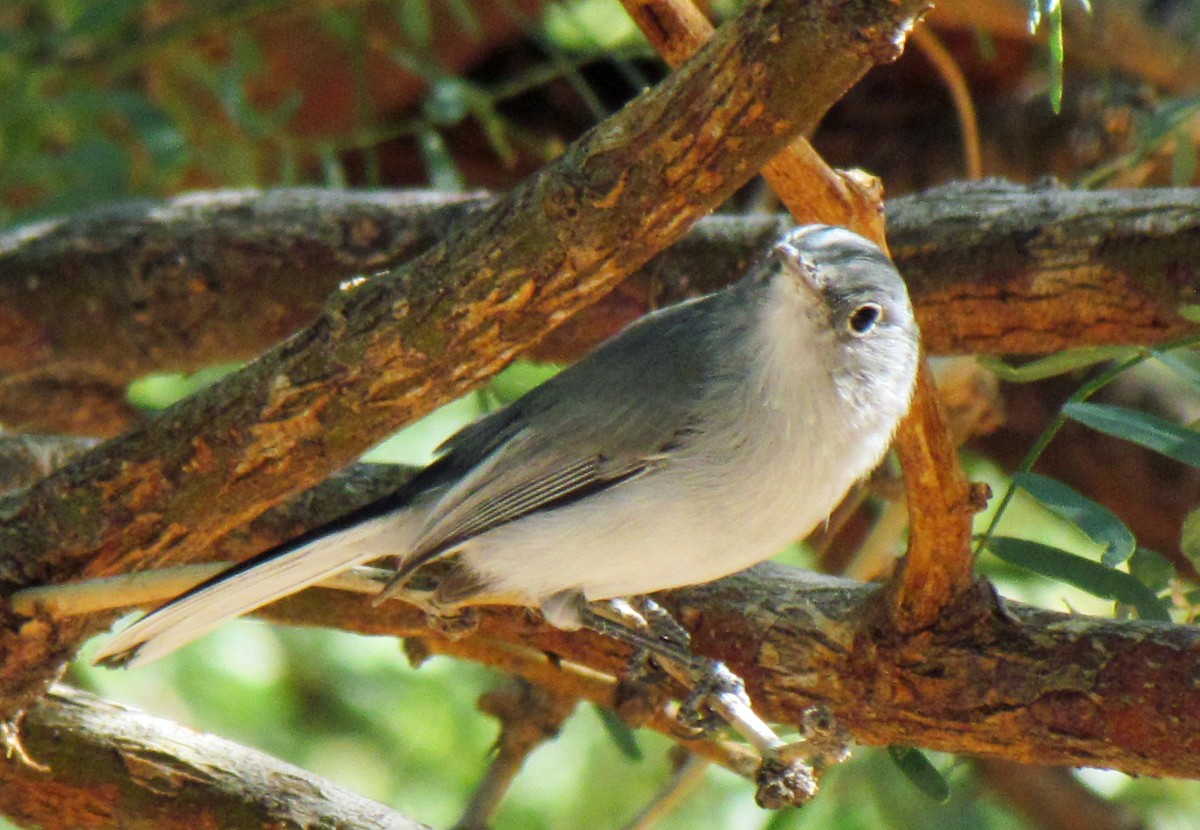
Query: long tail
[276, 573]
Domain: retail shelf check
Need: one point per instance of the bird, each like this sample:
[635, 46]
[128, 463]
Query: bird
[696, 442]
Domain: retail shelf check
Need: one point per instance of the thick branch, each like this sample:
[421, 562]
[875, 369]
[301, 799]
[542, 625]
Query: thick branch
[1022, 684]
[1015, 682]
[110, 766]
[1002, 268]
[993, 268]
[392, 348]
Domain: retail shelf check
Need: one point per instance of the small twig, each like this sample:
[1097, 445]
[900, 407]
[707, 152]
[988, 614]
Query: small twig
[956, 84]
[577, 681]
[1052, 798]
[969, 397]
[528, 715]
[689, 772]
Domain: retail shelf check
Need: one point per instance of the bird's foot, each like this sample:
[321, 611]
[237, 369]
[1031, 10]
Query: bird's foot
[718, 697]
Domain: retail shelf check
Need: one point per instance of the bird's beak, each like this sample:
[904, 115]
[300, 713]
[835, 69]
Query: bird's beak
[802, 269]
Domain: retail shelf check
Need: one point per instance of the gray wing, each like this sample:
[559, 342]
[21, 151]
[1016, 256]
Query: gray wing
[609, 418]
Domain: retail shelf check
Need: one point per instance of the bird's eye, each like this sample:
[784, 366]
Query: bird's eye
[865, 317]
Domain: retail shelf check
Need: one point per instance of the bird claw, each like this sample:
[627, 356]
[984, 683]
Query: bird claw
[786, 774]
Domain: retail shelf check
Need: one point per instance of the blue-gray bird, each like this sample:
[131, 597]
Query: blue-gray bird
[697, 442]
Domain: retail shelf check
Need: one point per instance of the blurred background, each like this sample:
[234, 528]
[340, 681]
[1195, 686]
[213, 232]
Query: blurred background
[127, 99]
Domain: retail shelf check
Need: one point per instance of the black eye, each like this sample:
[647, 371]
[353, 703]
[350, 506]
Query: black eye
[865, 317]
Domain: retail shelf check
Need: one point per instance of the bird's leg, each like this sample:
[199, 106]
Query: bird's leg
[785, 775]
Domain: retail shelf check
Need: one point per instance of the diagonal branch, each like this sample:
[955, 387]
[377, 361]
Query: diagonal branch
[117, 767]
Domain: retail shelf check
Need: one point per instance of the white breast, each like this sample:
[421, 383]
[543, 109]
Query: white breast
[763, 479]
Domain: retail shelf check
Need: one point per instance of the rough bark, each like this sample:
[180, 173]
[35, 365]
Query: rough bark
[391, 348]
[1004, 269]
[1004, 681]
[108, 766]
[993, 268]
[998, 680]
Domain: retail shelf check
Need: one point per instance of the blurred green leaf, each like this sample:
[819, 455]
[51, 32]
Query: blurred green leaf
[1102, 525]
[464, 13]
[232, 81]
[1055, 364]
[448, 102]
[1057, 55]
[416, 20]
[622, 736]
[1189, 536]
[781, 819]
[439, 164]
[1190, 312]
[1140, 428]
[1152, 569]
[331, 167]
[1183, 368]
[589, 26]
[104, 19]
[161, 390]
[519, 378]
[920, 772]
[1183, 160]
[1091, 577]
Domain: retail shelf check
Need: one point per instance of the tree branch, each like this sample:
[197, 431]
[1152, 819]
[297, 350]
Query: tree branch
[111, 767]
[976, 682]
[1005, 681]
[992, 268]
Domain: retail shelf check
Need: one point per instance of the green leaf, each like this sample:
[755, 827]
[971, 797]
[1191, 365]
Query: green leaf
[620, 732]
[1183, 161]
[1100, 524]
[1149, 431]
[1189, 536]
[920, 772]
[416, 19]
[104, 19]
[443, 173]
[519, 377]
[782, 819]
[1055, 364]
[1183, 368]
[448, 102]
[1189, 312]
[1152, 569]
[1057, 53]
[465, 15]
[1095, 579]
